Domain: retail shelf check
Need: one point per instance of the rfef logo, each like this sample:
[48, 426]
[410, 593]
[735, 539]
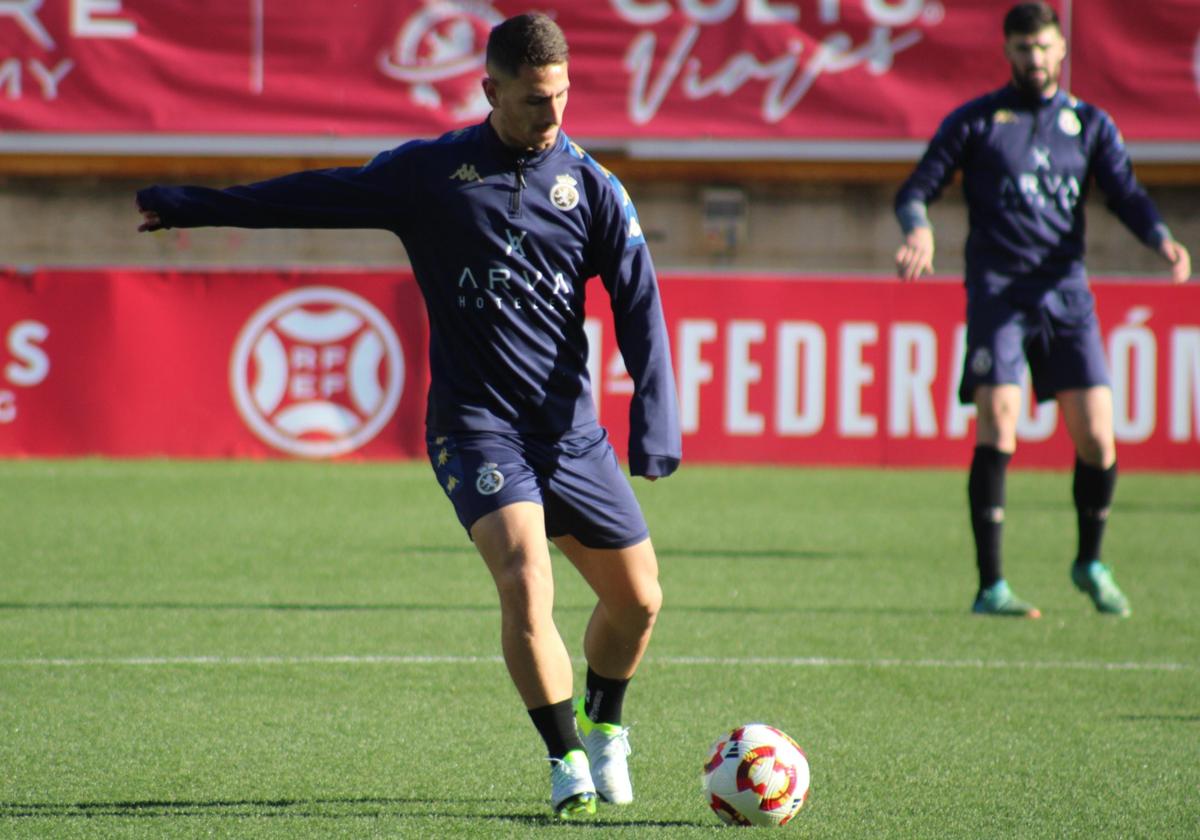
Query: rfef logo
[317, 372]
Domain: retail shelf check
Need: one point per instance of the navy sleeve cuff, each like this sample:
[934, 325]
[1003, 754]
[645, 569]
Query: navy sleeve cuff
[912, 215]
[652, 466]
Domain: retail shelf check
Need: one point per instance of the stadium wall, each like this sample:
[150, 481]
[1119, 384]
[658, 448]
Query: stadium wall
[832, 218]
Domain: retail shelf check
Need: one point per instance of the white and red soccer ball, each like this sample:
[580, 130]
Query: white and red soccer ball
[756, 775]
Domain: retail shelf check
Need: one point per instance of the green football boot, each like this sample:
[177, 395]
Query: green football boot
[1095, 580]
[998, 599]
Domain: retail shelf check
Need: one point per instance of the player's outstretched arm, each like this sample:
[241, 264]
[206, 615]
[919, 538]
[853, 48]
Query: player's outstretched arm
[915, 255]
[1179, 258]
[372, 196]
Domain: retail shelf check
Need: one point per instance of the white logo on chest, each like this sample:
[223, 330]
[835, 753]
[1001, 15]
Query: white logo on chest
[1068, 122]
[514, 242]
[563, 194]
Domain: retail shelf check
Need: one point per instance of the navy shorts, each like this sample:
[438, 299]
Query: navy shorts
[577, 481]
[1054, 331]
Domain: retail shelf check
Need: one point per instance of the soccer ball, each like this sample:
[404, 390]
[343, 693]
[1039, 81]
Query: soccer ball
[756, 775]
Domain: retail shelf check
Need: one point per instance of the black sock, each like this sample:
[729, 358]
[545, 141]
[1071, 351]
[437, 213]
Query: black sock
[985, 493]
[556, 724]
[1093, 491]
[604, 698]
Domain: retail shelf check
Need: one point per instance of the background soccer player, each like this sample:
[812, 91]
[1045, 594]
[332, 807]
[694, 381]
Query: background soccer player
[1028, 152]
[503, 223]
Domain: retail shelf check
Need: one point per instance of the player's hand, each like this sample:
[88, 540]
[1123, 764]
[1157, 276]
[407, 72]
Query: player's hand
[1179, 258]
[915, 255]
[150, 220]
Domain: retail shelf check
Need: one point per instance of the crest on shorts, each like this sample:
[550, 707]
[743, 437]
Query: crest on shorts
[1068, 122]
[981, 361]
[563, 193]
[490, 480]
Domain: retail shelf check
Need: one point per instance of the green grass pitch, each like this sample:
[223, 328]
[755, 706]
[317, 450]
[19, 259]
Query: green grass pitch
[293, 650]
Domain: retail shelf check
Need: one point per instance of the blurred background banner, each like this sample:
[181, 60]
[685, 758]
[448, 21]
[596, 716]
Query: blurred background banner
[332, 364]
[219, 76]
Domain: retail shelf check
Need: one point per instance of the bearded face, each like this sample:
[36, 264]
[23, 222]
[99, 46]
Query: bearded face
[1036, 60]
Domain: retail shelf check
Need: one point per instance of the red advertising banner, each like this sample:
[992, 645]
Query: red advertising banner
[865, 371]
[1160, 100]
[332, 364]
[151, 73]
[221, 364]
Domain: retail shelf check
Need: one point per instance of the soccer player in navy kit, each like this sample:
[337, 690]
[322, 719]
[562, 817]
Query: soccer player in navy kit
[1027, 153]
[503, 223]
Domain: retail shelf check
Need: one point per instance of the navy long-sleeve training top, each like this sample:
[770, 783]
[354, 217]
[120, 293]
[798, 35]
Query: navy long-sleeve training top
[502, 245]
[1027, 163]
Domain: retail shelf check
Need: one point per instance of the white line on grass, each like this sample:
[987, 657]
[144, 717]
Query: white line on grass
[998, 664]
[730, 661]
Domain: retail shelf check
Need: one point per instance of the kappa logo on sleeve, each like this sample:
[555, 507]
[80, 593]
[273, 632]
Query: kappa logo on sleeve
[317, 372]
[635, 228]
[466, 172]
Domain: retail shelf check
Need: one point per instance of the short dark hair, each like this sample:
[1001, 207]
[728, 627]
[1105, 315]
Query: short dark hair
[532, 39]
[1030, 19]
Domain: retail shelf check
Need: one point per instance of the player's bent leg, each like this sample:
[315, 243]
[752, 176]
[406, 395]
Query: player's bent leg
[626, 583]
[1088, 416]
[513, 545]
[997, 407]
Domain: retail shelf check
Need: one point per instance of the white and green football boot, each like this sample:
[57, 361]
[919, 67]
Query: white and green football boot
[572, 793]
[608, 749]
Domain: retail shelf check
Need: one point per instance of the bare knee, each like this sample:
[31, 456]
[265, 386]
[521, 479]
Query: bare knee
[625, 580]
[512, 542]
[649, 606]
[526, 591]
[639, 610]
[1088, 416]
[1096, 451]
[997, 410]
[1093, 439]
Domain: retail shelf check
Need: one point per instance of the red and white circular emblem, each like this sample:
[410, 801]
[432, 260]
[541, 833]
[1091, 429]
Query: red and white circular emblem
[317, 372]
